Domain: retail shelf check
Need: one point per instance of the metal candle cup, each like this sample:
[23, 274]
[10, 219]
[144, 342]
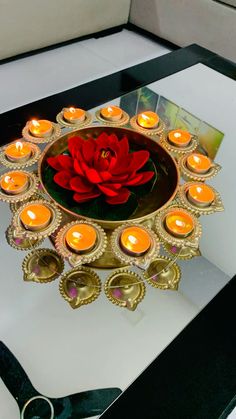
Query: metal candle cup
[179, 223]
[198, 163]
[14, 183]
[18, 152]
[74, 115]
[41, 128]
[111, 113]
[135, 241]
[148, 120]
[179, 138]
[200, 195]
[81, 238]
[35, 217]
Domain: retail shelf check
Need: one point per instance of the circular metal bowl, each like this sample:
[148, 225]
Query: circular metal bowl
[164, 189]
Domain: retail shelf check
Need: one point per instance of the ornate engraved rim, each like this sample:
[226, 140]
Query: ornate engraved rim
[36, 152]
[97, 286]
[75, 259]
[179, 151]
[136, 279]
[170, 284]
[148, 131]
[123, 121]
[142, 260]
[37, 140]
[186, 253]
[10, 240]
[32, 188]
[31, 276]
[54, 224]
[214, 170]
[60, 119]
[190, 241]
[216, 205]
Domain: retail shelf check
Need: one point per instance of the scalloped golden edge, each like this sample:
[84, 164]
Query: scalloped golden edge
[123, 121]
[190, 241]
[134, 260]
[15, 205]
[192, 252]
[95, 253]
[97, 286]
[215, 206]
[174, 284]
[179, 151]
[32, 276]
[42, 140]
[54, 224]
[24, 195]
[36, 152]
[214, 170]
[148, 131]
[88, 119]
[10, 240]
[128, 272]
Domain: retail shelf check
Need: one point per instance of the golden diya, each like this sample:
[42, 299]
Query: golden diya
[163, 273]
[14, 183]
[42, 265]
[200, 198]
[35, 217]
[40, 128]
[111, 113]
[179, 138]
[18, 152]
[148, 119]
[74, 115]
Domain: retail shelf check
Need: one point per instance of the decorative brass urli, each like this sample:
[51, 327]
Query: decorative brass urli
[123, 287]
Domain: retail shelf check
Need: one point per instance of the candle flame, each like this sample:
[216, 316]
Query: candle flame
[132, 239]
[31, 215]
[72, 110]
[196, 159]
[77, 235]
[19, 145]
[35, 123]
[145, 117]
[177, 134]
[7, 179]
[199, 189]
[180, 223]
[110, 109]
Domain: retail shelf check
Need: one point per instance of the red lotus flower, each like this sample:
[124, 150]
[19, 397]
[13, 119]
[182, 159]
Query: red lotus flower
[101, 166]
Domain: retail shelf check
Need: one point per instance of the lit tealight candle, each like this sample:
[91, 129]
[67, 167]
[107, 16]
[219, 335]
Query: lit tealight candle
[179, 223]
[35, 217]
[14, 183]
[148, 119]
[198, 163]
[74, 115]
[112, 113]
[179, 138]
[41, 128]
[200, 195]
[18, 152]
[135, 241]
[81, 237]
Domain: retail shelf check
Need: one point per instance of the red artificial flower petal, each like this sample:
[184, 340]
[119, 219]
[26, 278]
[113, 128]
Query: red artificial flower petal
[146, 176]
[123, 147]
[122, 197]
[113, 162]
[63, 178]
[102, 141]
[54, 163]
[66, 162]
[134, 180]
[80, 185]
[139, 158]
[88, 149]
[105, 175]
[109, 189]
[93, 175]
[119, 178]
[78, 169]
[74, 144]
[100, 164]
[123, 166]
[80, 198]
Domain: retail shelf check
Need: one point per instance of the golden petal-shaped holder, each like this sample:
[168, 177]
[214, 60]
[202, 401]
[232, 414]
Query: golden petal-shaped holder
[74, 258]
[199, 177]
[183, 253]
[125, 289]
[190, 241]
[87, 121]
[35, 154]
[177, 152]
[122, 121]
[216, 205]
[80, 286]
[23, 196]
[20, 242]
[142, 260]
[14, 206]
[41, 140]
[148, 131]
[42, 265]
[39, 234]
[163, 273]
